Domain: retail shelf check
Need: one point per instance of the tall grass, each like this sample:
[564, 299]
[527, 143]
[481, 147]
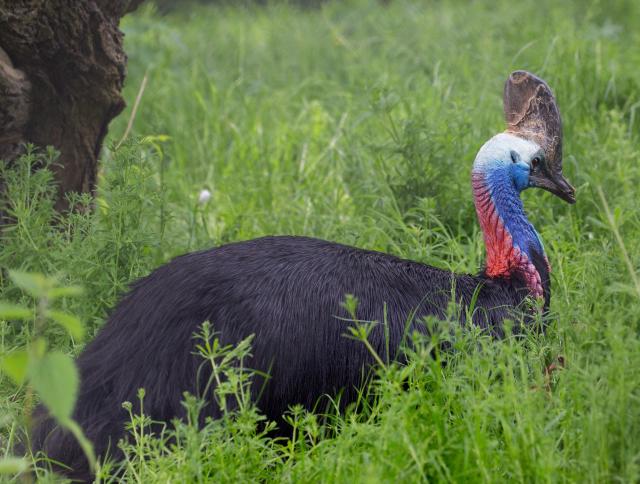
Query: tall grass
[358, 123]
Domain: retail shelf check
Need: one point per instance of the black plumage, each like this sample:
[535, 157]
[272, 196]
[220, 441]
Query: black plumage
[288, 292]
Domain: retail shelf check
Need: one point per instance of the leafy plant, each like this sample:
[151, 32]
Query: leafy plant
[229, 445]
[49, 373]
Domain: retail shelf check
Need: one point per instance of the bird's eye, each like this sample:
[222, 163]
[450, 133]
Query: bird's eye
[514, 156]
[535, 162]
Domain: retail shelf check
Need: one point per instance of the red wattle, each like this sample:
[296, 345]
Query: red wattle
[503, 258]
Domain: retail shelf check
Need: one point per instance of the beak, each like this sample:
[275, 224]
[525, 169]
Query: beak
[555, 183]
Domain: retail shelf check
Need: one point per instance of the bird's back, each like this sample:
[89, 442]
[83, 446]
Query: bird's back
[288, 292]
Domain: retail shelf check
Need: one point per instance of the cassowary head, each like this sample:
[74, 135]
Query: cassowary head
[529, 152]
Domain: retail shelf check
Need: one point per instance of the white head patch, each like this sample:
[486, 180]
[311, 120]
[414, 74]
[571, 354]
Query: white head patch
[498, 150]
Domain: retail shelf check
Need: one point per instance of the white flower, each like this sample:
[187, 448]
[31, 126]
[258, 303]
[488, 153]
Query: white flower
[204, 196]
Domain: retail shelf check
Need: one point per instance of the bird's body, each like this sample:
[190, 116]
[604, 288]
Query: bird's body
[288, 292]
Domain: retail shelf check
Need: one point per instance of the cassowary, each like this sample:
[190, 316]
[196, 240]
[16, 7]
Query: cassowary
[288, 291]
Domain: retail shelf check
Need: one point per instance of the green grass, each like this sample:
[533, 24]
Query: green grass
[359, 123]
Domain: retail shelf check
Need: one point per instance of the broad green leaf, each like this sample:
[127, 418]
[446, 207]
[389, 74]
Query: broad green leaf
[58, 292]
[55, 378]
[34, 284]
[13, 311]
[13, 465]
[38, 347]
[15, 365]
[69, 322]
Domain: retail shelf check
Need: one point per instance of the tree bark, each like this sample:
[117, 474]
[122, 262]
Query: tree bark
[62, 67]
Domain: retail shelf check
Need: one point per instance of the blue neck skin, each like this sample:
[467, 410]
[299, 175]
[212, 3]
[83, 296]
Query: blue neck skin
[505, 182]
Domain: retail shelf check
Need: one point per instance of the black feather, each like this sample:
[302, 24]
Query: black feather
[288, 292]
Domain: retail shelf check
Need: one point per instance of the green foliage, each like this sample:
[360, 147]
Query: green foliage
[358, 123]
[55, 378]
[15, 365]
[12, 465]
[235, 448]
[51, 374]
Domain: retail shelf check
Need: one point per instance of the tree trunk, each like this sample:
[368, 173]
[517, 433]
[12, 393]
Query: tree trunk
[62, 67]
